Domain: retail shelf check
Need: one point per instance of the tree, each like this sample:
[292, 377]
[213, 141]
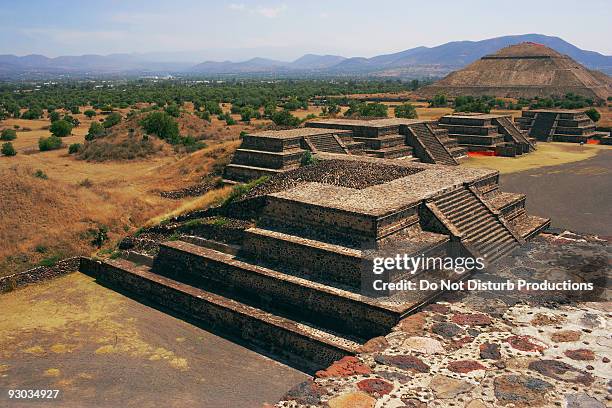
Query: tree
[438, 101]
[285, 118]
[90, 113]
[406, 110]
[71, 119]
[112, 120]
[246, 113]
[8, 134]
[95, 130]
[61, 128]
[593, 114]
[8, 149]
[32, 113]
[54, 116]
[173, 110]
[49, 143]
[74, 148]
[75, 110]
[161, 124]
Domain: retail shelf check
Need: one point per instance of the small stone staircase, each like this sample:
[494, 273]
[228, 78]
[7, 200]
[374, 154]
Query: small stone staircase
[543, 124]
[479, 228]
[517, 135]
[326, 143]
[428, 138]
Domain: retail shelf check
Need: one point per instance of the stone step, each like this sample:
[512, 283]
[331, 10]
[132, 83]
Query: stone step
[276, 292]
[451, 197]
[271, 160]
[243, 173]
[476, 230]
[313, 259]
[377, 143]
[469, 217]
[501, 251]
[313, 220]
[391, 152]
[461, 208]
[308, 347]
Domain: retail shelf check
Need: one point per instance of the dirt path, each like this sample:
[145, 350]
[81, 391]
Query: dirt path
[101, 349]
[577, 196]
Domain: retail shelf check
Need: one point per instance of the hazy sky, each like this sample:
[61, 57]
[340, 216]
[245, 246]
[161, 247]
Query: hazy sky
[285, 29]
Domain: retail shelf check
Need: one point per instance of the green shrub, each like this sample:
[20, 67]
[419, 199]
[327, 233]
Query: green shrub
[90, 113]
[95, 130]
[308, 159]
[54, 116]
[74, 148]
[161, 124]
[8, 134]
[49, 143]
[241, 189]
[112, 120]
[593, 114]
[285, 118]
[8, 149]
[437, 101]
[173, 110]
[40, 174]
[61, 128]
[50, 261]
[406, 110]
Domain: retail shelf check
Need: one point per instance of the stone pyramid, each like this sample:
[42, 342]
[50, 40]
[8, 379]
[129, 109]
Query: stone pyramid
[523, 70]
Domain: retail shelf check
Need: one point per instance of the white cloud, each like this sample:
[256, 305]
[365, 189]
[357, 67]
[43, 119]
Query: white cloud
[324, 15]
[270, 12]
[265, 11]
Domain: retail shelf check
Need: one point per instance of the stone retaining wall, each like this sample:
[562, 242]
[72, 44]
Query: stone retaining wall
[40, 273]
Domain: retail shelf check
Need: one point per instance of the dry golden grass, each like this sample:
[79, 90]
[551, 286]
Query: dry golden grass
[547, 154]
[44, 218]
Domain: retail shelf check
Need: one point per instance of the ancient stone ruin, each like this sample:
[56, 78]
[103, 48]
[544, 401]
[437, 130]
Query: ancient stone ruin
[271, 152]
[525, 70]
[480, 132]
[559, 125]
[292, 285]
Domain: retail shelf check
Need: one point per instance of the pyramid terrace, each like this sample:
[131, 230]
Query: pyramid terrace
[293, 284]
[480, 132]
[559, 125]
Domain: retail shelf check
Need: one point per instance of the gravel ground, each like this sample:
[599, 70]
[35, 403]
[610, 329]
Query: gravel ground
[358, 175]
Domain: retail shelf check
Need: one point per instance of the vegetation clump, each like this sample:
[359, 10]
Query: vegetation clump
[8, 134]
[406, 110]
[161, 124]
[593, 114]
[362, 109]
[49, 143]
[112, 119]
[8, 149]
[61, 128]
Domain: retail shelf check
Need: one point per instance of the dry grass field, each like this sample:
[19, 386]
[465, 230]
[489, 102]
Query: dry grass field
[51, 203]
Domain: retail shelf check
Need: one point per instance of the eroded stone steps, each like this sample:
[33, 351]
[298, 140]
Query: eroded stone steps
[318, 221]
[393, 152]
[282, 294]
[321, 261]
[326, 143]
[476, 223]
[303, 345]
[427, 136]
[262, 159]
[243, 173]
[382, 142]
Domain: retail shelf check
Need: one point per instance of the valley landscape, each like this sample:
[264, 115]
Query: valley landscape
[180, 229]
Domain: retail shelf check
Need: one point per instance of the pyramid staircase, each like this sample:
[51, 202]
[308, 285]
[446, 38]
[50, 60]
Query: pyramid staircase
[427, 139]
[515, 134]
[451, 144]
[293, 289]
[543, 124]
[327, 143]
[475, 223]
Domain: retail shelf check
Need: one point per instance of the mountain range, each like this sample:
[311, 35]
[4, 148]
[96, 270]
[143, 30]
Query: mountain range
[412, 63]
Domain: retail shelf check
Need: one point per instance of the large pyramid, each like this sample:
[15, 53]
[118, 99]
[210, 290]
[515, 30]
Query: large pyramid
[523, 70]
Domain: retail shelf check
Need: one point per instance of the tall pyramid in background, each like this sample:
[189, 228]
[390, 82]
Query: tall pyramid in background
[524, 70]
